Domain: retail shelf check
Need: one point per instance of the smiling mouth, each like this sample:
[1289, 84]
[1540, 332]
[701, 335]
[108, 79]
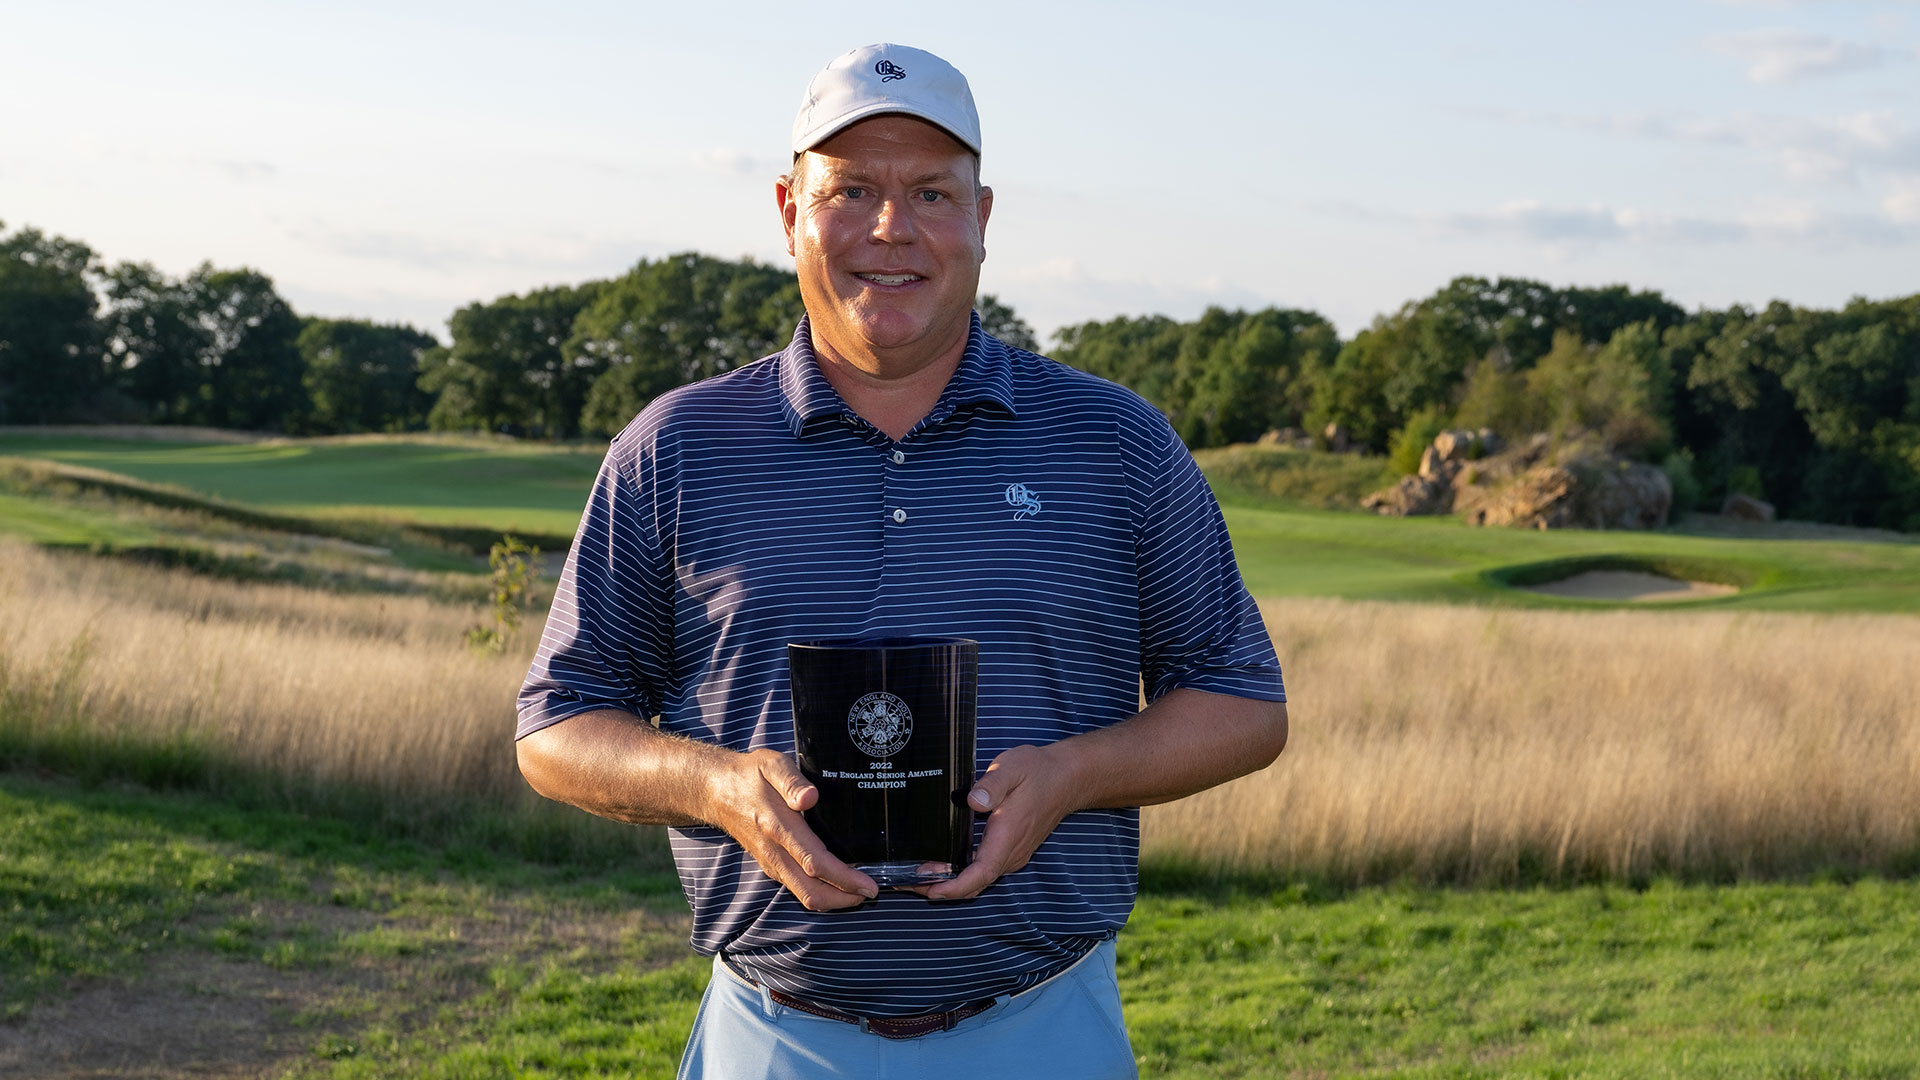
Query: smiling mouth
[890, 279]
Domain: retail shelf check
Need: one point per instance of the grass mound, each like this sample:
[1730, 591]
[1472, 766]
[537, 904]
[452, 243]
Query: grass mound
[1292, 477]
[60, 480]
[464, 490]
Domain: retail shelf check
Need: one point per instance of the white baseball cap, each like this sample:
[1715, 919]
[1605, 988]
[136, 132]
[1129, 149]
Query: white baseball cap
[883, 79]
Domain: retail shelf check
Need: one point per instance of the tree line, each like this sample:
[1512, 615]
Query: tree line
[81, 341]
[1815, 410]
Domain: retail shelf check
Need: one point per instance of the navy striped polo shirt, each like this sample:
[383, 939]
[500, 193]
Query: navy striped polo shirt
[1050, 515]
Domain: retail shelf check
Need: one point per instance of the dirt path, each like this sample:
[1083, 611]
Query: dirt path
[197, 1014]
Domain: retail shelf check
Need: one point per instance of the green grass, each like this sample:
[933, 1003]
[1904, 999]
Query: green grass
[61, 505]
[502, 487]
[413, 958]
[1294, 479]
[1285, 549]
[429, 962]
[1805, 980]
[63, 523]
[1360, 556]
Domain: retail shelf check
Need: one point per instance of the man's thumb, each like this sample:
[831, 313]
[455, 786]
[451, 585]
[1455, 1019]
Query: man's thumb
[987, 793]
[793, 786]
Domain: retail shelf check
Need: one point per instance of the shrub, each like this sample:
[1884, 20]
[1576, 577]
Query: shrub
[1412, 440]
[1686, 485]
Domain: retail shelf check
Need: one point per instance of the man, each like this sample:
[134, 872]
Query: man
[896, 471]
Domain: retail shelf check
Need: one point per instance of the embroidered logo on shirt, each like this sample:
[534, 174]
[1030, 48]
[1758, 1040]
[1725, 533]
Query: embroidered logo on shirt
[889, 71]
[880, 724]
[1023, 500]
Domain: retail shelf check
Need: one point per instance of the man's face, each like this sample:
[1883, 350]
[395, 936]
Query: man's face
[887, 228]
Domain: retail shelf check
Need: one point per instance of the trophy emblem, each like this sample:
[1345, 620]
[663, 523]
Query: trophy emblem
[880, 724]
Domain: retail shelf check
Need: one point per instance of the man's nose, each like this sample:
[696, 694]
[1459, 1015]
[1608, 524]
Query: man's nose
[893, 221]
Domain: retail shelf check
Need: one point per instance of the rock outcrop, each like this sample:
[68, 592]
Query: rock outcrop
[1746, 508]
[1530, 486]
[1413, 496]
[1540, 498]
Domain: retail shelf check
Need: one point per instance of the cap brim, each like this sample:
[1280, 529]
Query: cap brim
[841, 123]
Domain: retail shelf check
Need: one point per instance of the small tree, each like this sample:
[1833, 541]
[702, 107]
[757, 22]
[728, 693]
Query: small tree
[515, 571]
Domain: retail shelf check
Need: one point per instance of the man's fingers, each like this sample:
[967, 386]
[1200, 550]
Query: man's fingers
[810, 857]
[778, 838]
[818, 863]
[813, 893]
[967, 884]
[989, 863]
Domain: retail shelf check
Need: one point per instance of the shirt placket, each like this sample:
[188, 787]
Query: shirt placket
[908, 513]
[896, 493]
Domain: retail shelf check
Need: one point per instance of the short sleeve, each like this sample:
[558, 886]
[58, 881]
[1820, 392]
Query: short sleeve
[1199, 628]
[608, 638]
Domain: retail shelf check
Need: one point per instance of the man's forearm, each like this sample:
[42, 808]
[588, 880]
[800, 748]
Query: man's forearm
[618, 766]
[1186, 742]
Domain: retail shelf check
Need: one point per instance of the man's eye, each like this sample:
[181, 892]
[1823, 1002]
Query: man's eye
[931, 196]
[855, 193]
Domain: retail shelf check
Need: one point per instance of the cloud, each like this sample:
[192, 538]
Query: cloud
[1784, 56]
[243, 170]
[736, 162]
[1056, 292]
[1570, 227]
[1565, 231]
[1830, 150]
[548, 253]
[1902, 203]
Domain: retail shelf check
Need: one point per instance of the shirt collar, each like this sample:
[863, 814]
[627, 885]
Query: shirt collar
[984, 378]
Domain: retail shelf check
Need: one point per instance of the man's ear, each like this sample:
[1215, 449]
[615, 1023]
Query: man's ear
[986, 209]
[786, 198]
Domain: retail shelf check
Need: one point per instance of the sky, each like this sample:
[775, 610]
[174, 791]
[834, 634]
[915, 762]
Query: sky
[396, 161]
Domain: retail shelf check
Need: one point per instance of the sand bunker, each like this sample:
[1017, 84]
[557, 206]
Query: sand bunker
[1630, 585]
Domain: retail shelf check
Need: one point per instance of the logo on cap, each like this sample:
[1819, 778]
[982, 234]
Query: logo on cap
[889, 71]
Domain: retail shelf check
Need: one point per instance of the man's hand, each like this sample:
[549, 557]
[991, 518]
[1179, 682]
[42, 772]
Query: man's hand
[1025, 794]
[618, 766]
[759, 802]
[1187, 741]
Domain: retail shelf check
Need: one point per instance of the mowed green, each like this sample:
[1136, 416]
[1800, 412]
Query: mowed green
[1283, 550]
[51, 521]
[493, 484]
[394, 960]
[1290, 552]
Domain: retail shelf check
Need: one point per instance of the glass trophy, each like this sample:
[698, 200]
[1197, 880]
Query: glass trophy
[884, 728]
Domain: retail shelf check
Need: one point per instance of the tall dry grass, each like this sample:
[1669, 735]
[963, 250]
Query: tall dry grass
[368, 704]
[1431, 743]
[1474, 745]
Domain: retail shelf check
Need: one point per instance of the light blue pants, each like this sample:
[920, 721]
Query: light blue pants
[1068, 1026]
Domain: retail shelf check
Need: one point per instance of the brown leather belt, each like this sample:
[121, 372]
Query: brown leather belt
[887, 1027]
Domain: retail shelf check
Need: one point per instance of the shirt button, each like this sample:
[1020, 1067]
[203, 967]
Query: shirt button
[899, 458]
[899, 517]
